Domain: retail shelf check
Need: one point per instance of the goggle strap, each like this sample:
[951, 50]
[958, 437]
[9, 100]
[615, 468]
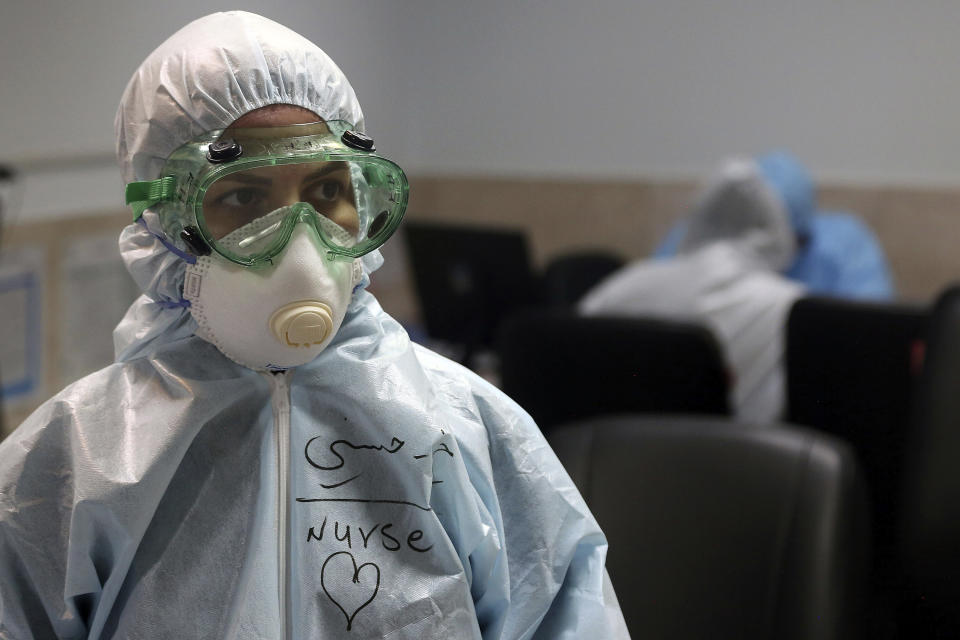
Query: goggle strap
[142, 195]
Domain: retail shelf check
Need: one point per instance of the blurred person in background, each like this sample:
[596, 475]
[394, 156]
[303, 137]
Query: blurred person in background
[837, 254]
[270, 456]
[726, 276]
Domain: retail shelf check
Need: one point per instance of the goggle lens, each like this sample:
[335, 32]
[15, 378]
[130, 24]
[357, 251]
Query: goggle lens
[241, 197]
[249, 213]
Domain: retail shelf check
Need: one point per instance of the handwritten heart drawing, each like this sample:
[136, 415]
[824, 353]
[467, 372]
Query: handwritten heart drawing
[340, 579]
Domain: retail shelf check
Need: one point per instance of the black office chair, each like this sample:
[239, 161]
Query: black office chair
[851, 369]
[931, 497]
[568, 277]
[718, 530]
[561, 367]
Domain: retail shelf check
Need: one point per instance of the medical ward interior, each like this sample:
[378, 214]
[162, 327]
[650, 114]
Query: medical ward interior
[547, 145]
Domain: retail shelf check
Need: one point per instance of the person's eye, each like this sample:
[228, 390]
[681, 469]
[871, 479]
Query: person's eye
[240, 198]
[326, 191]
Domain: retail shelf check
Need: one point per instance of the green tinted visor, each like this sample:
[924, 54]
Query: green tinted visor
[242, 192]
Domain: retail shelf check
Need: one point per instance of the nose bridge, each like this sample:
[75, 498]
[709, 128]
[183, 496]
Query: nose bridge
[304, 213]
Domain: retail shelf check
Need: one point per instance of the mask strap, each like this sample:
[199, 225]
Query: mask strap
[164, 301]
[170, 303]
[186, 257]
[357, 276]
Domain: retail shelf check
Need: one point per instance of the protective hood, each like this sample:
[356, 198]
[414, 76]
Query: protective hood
[740, 209]
[791, 182]
[213, 71]
[204, 77]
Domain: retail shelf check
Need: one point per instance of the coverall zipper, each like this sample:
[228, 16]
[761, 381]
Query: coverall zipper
[280, 399]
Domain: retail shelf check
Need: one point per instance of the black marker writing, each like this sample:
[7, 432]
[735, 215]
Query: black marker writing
[443, 447]
[366, 538]
[312, 535]
[347, 585]
[341, 483]
[346, 535]
[366, 500]
[414, 537]
[383, 532]
[341, 533]
[396, 444]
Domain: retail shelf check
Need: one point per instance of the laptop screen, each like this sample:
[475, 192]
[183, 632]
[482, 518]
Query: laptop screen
[468, 279]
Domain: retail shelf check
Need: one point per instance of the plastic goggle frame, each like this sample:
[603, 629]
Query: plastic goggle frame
[178, 196]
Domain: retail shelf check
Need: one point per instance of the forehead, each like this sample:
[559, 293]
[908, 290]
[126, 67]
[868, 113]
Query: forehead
[276, 121]
[285, 173]
[275, 115]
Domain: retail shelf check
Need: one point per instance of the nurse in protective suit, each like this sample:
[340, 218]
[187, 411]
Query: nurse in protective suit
[837, 254]
[270, 456]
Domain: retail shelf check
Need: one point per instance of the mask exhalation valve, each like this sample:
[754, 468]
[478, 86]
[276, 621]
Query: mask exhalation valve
[302, 324]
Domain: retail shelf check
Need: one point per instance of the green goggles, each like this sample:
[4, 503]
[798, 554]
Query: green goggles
[241, 192]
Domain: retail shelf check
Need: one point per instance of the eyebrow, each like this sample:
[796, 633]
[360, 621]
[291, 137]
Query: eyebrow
[332, 167]
[247, 179]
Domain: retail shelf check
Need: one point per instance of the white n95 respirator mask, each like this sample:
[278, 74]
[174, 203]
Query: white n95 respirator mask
[277, 316]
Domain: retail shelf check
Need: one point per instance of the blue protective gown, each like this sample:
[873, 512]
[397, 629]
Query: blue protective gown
[838, 254]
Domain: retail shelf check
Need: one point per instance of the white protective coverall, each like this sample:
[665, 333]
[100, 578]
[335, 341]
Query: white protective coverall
[380, 491]
[726, 277]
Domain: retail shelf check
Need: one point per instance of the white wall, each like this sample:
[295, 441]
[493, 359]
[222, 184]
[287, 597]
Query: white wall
[863, 90]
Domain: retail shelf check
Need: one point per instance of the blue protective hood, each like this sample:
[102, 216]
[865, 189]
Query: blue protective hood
[790, 179]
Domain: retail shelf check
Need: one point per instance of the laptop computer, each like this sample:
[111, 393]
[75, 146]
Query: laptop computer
[468, 278]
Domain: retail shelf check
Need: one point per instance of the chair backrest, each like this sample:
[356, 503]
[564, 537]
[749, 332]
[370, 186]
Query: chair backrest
[851, 369]
[718, 530]
[560, 366]
[931, 497]
[568, 277]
